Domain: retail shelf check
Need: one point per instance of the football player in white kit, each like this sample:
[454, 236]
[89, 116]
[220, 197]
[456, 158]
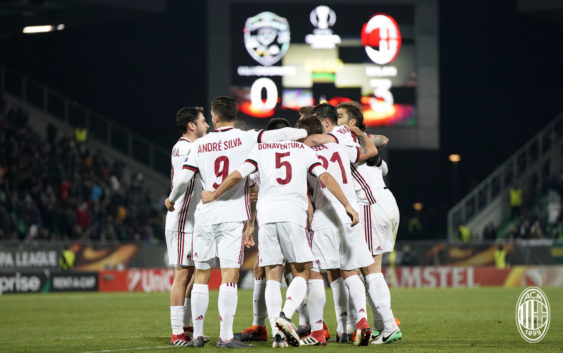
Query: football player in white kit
[282, 217]
[335, 240]
[380, 222]
[179, 225]
[219, 226]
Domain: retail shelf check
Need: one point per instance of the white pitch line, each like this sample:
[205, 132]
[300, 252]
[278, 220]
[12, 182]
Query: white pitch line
[131, 349]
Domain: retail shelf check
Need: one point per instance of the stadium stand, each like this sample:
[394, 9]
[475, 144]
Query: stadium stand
[521, 199]
[57, 188]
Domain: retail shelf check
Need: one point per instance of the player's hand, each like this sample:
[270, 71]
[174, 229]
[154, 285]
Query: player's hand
[169, 204]
[207, 196]
[354, 216]
[356, 130]
[248, 236]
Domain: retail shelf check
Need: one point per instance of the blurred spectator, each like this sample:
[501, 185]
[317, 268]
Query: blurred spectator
[515, 201]
[464, 233]
[414, 225]
[51, 189]
[500, 257]
[490, 232]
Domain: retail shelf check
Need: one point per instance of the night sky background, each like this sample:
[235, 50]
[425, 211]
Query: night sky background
[501, 80]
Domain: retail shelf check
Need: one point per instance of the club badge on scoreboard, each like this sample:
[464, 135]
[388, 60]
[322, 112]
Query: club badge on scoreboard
[533, 314]
[266, 37]
[381, 39]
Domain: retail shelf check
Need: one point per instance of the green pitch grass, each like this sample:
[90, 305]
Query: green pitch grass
[432, 320]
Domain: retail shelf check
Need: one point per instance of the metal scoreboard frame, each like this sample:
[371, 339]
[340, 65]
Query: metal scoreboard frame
[424, 134]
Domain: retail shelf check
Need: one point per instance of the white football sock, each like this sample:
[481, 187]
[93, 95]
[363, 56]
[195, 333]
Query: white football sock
[350, 317]
[357, 297]
[273, 303]
[303, 312]
[316, 298]
[200, 301]
[177, 319]
[188, 312]
[294, 295]
[259, 302]
[228, 299]
[381, 296]
[340, 296]
[377, 320]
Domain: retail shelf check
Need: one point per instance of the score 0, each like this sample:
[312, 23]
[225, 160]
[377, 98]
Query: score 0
[271, 94]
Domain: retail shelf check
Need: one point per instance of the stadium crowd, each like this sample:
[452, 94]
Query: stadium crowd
[56, 188]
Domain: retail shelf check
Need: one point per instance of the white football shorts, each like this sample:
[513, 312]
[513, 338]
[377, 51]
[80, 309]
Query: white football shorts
[283, 241]
[340, 247]
[379, 223]
[222, 240]
[179, 248]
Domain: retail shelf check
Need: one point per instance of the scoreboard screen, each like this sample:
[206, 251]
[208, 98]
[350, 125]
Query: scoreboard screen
[283, 55]
[290, 55]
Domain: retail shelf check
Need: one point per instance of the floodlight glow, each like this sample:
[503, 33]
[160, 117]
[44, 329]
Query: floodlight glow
[455, 158]
[37, 29]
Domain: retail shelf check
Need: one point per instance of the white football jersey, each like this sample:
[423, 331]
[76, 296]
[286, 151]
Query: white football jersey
[182, 218]
[364, 177]
[283, 168]
[344, 136]
[336, 159]
[220, 153]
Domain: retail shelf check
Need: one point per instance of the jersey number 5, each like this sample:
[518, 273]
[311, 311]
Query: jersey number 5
[284, 164]
[221, 169]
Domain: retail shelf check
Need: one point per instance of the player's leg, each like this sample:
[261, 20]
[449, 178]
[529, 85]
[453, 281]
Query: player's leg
[353, 255]
[274, 299]
[378, 290]
[340, 297]
[204, 254]
[257, 332]
[316, 299]
[177, 309]
[175, 245]
[384, 229]
[200, 300]
[188, 327]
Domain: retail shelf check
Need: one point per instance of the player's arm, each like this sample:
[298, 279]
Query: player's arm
[319, 139]
[249, 230]
[379, 141]
[310, 211]
[179, 185]
[335, 189]
[283, 134]
[233, 179]
[367, 147]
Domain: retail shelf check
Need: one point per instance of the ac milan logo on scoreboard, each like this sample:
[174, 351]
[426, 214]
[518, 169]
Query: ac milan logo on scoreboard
[381, 39]
[266, 37]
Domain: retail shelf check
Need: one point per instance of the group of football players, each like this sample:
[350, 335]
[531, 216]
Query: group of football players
[317, 196]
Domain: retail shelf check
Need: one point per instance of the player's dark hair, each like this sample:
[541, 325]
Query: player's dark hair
[311, 124]
[277, 123]
[225, 107]
[306, 110]
[187, 115]
[326, 110]
[241, 125]
[354, 111]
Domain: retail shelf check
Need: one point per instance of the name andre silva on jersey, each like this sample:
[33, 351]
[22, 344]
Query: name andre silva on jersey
[219, 145]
